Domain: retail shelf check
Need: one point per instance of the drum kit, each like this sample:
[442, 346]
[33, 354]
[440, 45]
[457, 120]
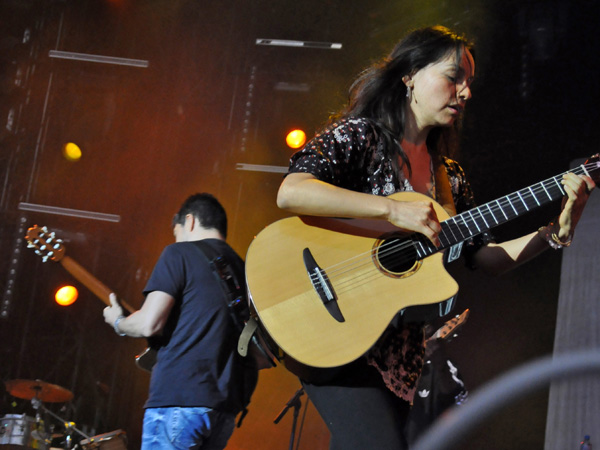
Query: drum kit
[20, 431]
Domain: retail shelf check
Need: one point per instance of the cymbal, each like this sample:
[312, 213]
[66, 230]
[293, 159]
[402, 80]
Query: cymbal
[45, 392]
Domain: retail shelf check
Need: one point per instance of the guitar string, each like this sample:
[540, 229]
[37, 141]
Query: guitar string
[358, 261]
[351, 280]
[365, 259]
[399, 250]
[505, 204]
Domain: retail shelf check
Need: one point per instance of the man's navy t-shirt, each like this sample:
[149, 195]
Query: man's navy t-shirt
[197, 361]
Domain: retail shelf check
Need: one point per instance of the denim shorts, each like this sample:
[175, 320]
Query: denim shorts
[186, 428]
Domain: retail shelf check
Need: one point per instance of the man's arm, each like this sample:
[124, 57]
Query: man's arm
[145, 322]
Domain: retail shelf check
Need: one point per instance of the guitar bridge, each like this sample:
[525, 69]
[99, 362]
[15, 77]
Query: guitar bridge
[322, 285]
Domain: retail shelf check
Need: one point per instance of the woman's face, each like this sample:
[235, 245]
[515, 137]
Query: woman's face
[441, 90]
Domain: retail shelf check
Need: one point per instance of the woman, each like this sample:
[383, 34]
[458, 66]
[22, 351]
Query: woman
[392, 137]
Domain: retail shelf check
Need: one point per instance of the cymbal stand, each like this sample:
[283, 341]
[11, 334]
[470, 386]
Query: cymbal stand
[296, 404]
[69, 426]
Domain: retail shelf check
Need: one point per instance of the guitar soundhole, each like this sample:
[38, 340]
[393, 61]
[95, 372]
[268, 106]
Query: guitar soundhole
[396, 257]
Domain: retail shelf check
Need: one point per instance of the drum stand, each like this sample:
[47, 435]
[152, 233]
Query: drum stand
[296, 404]
[69, 426]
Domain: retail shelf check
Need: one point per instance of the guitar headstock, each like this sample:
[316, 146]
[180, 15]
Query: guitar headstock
[446, 331]
[45, 243]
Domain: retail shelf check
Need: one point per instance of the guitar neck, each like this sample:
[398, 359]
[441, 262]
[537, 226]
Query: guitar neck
[91, 282]
[464, 226]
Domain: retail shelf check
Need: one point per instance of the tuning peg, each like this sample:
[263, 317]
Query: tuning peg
[45, 258]
[50, 254]
[43, 247]
[56, 246]
[45, 229]
[37, 252]
[30, 245]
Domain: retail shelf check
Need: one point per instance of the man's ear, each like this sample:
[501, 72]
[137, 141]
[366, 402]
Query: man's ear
[190, 222]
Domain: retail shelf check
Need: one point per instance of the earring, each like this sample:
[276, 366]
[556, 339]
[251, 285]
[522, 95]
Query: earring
[408, 93]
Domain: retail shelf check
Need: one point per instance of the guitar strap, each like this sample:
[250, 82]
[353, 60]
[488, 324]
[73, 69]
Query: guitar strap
[233, 293]
[235, 298]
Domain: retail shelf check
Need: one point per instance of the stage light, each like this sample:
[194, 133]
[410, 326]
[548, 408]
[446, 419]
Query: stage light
[66, 295]
[71, 151]
[295, 138]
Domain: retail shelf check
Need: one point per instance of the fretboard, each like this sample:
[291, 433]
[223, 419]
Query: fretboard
[478, 220]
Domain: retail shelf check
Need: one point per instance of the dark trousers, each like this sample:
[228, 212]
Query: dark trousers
[359, 410]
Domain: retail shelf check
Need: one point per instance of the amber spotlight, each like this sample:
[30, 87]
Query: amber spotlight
[71, 151]
[66, 295]
[295, 138]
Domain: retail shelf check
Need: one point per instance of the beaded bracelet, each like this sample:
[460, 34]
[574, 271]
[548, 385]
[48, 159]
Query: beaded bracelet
[549, 233]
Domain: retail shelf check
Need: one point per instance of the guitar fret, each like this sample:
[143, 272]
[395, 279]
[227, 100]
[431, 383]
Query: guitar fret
[501, 209]
[523, 201]
[584, 170]
[546, 191]
[492, 213]
[560, 188]
[535, 198]
[474, 221]
[556, 191]
[518, 203]
[457, 226]
[512, 206]
[450, 228]
[466, 225]
[483, 218]
[423, 254]
[443, 235]
[445, 242]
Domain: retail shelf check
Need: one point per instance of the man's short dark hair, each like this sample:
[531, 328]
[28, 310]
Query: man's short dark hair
[206, 209]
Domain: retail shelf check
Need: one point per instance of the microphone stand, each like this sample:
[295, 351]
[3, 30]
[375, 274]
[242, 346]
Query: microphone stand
[296, 404]
[69, 426]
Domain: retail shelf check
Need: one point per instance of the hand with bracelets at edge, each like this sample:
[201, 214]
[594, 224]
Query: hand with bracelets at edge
[577, 189]
[549, 233]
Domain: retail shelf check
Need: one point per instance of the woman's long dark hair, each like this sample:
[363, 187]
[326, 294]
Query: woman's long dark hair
[380, 94]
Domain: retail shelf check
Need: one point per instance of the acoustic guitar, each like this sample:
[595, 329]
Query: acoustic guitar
[326, 289]
[50, 248]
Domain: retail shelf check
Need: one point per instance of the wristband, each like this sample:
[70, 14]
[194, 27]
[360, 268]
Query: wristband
[116, 326]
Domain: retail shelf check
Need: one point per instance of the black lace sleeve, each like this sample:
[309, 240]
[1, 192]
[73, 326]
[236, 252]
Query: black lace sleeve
[343, 154]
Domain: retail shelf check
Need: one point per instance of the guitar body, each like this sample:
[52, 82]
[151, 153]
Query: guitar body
[369, 292]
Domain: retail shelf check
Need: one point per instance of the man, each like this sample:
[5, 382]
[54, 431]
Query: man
[199, 382]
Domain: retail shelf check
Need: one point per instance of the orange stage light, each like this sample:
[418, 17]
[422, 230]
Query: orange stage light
[71, 151]
[295, 138]
[66, 295]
